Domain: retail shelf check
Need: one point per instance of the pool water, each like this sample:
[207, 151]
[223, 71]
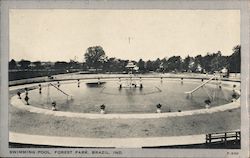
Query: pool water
[169, 93]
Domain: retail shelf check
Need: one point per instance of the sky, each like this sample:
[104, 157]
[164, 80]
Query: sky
[61, 35]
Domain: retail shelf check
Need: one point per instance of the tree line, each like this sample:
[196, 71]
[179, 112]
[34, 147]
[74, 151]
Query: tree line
[96, 60]
[38, 65]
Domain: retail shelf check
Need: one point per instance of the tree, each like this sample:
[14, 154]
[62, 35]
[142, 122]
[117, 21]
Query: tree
[24, 64]
[84, 66]
[218, 62]
[206, 62]
[111, 65]
[156, 64]
[61, 65]
[74, 64]
[37, 64]
[164, 64]
[12, 64]
[141, 65]
[234, 60]
[122, 64]
[186, 63]
[174, 63]
[95, 57]
[197, 63]
[149, 65]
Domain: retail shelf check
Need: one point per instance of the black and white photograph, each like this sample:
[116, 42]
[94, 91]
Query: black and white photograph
[92, 82]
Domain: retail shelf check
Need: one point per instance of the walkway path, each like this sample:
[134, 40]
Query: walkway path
[105, 142]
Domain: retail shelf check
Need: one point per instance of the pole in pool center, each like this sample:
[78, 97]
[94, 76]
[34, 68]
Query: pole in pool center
[130, 66]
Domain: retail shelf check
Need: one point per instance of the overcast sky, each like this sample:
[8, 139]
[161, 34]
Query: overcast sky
[60, 35]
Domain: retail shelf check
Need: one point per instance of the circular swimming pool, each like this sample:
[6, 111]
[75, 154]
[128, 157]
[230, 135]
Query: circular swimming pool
[88, 95]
